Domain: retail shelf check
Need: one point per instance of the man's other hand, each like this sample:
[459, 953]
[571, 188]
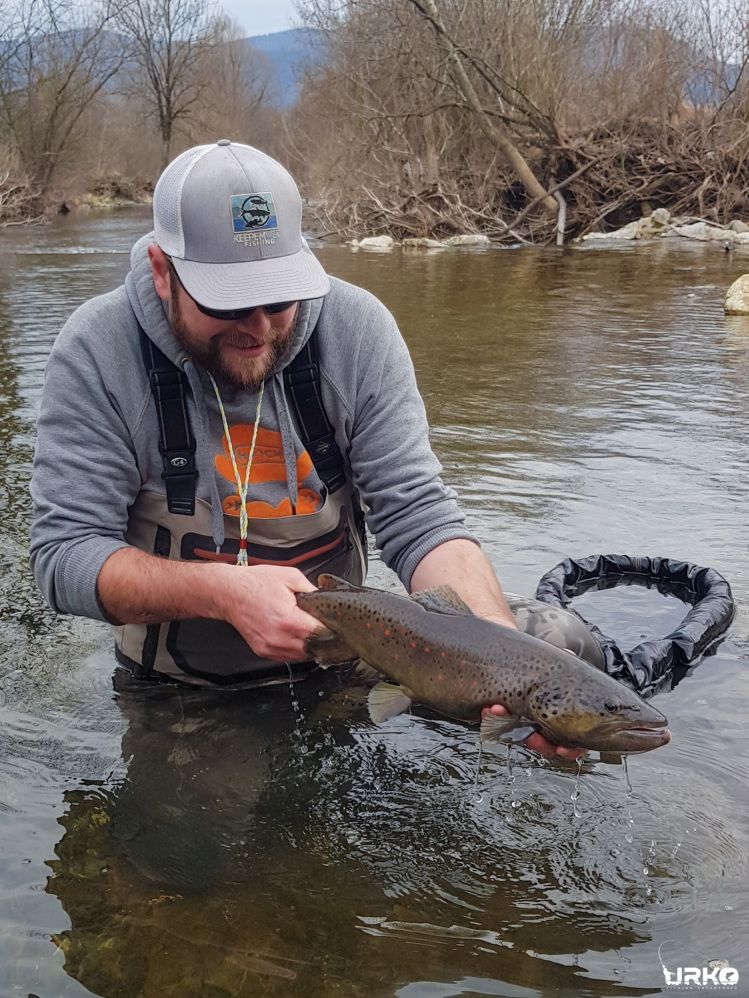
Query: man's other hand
[536, 742]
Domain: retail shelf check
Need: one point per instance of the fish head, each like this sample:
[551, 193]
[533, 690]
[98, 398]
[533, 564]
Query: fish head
[596, 712]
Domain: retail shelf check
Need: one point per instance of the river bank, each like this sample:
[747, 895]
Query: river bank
[22, 204]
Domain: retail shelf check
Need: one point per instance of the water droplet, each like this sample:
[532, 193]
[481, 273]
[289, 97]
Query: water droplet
[626, 776]
[516, 804]
[615, 852]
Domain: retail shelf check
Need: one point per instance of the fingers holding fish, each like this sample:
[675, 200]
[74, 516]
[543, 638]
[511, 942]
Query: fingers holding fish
[261, 604]
[535, 742]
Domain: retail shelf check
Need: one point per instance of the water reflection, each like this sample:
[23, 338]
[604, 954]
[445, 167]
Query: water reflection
[252, 845]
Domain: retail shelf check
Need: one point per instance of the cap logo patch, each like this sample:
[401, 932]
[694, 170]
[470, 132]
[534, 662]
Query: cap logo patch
[251, 212]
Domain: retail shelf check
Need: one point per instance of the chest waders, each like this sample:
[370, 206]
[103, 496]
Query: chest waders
[178, 525]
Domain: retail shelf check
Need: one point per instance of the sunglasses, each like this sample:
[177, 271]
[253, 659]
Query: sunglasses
[232, 314]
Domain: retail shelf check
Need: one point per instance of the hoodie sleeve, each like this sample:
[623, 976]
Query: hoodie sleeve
[85, 472]
[409, 509]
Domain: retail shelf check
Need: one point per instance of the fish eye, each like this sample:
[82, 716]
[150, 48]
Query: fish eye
[612, 707]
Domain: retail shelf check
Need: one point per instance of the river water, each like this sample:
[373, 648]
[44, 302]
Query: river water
[158, 842]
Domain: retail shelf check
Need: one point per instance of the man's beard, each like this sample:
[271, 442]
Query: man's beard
[231, 371]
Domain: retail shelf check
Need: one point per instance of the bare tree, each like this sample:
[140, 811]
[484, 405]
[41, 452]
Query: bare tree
[169, 41]
[472, 115]
[56, 58]
[456, 59]
[235, 80]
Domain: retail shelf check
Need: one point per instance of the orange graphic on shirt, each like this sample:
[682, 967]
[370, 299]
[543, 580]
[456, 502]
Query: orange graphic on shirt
[267, 466]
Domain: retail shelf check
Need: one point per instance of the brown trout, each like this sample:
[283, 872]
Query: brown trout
[437, 652]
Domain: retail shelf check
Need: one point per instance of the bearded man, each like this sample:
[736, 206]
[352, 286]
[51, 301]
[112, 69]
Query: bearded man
[211, 431]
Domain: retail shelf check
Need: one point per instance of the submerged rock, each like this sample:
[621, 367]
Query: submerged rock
[737, 299]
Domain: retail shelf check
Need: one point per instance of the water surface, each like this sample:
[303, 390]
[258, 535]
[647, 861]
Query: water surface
[161, 842]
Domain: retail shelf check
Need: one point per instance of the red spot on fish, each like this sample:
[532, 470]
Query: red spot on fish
[387, 632]
[413, 644]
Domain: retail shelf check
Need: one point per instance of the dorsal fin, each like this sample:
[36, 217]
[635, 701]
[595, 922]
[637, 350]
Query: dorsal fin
[332, 583]
[443, 599]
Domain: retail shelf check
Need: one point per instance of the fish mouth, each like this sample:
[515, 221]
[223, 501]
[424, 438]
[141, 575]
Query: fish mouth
[656, 730]
[639, 738]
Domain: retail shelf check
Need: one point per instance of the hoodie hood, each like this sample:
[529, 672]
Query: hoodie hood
[151, 312]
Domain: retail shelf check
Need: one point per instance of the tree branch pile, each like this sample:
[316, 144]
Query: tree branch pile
[450, 116]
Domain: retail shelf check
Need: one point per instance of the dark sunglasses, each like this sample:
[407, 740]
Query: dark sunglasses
[232, 314]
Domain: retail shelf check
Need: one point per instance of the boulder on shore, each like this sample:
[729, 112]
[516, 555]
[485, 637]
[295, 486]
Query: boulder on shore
[376, 242]
[737, 299]
[705, 233]
[470, 239]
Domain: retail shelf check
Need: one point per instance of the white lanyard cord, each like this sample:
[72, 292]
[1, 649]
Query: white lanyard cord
[241, 487]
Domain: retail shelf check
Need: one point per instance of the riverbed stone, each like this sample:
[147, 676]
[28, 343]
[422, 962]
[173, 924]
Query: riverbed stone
[377, 242]
[736, 225]
[469, 239]
[737, 299]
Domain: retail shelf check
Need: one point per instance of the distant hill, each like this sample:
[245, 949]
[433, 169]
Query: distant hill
[290, 53]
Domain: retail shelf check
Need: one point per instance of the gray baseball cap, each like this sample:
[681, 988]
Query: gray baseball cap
[230, 218]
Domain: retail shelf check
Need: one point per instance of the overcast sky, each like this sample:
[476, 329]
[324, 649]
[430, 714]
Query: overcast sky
[261, 17]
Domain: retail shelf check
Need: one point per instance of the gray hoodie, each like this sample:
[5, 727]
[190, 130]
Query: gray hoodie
[97, 445]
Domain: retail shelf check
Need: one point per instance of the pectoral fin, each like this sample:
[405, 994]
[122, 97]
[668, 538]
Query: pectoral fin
[442, 599]
[328, 648]
[386, 700]
[507, 730]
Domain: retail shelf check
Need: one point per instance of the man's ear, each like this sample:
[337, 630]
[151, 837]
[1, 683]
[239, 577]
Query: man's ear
[160, 272]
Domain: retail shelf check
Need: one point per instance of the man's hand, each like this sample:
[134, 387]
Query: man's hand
[260, 602]
[536, 742]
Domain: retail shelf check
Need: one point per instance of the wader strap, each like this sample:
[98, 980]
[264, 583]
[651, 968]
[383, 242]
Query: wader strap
[161, 547]
[176, 442]
[302, 379]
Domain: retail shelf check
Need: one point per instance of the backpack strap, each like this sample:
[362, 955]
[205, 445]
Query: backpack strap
[176, 442]
[302, 379]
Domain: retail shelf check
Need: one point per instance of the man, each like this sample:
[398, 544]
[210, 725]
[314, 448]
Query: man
[210, 430]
